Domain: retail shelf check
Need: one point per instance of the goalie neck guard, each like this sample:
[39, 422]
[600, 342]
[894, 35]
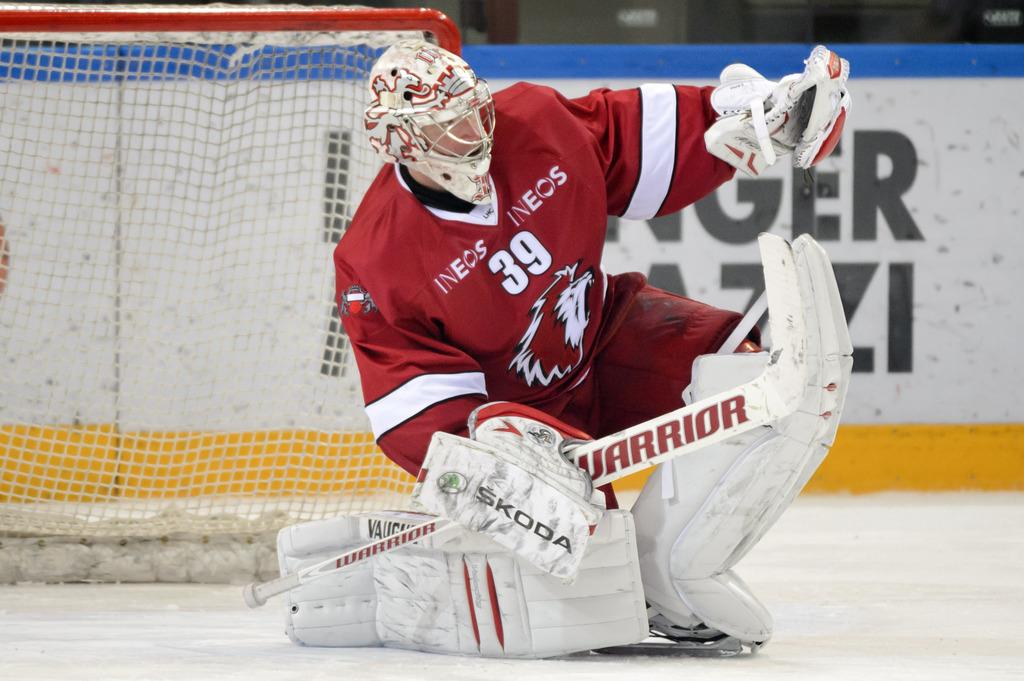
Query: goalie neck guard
[429, 111]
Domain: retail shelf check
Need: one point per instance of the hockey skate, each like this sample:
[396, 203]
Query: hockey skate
[668, 639]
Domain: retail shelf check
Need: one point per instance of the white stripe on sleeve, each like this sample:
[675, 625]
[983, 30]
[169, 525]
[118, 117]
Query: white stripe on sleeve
[657, 150]
[419, 393]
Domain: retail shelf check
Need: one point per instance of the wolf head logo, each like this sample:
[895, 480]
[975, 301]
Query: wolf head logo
[553, 343]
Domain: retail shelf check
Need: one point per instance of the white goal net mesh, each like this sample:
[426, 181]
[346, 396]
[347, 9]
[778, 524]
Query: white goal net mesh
[171, 359]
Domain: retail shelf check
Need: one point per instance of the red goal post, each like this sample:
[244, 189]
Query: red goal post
[175, 180]
[25, 18]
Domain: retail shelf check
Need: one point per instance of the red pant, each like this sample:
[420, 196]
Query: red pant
[643, 367]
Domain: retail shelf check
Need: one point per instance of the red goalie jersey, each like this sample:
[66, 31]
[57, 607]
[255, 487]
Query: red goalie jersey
[446, 311]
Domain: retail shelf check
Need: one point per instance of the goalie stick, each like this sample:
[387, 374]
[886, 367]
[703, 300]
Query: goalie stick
[772, 395]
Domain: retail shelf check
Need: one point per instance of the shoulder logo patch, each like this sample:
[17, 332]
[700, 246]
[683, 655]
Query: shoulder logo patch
[356, 300]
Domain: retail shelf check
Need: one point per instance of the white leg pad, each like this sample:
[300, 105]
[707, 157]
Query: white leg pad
[697, 516]
[465, 596]
[694, 511]
[726, 603]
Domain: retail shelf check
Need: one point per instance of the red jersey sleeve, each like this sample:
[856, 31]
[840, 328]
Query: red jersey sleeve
[650, 142]
[413, 383]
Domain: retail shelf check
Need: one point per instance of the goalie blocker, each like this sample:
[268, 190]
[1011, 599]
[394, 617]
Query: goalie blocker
[509, 480]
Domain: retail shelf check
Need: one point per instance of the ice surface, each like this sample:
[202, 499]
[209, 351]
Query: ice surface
[885, 587]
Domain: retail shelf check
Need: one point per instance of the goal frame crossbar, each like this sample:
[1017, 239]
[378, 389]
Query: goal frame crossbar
[224, 18]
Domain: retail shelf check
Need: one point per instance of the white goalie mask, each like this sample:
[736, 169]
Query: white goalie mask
[429, 111]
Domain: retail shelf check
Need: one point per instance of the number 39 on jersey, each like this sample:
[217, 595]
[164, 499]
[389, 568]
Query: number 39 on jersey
[526, 255]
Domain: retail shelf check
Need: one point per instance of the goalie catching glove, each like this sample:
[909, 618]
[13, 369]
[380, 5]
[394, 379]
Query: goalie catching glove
[509, 480]
[760, 120]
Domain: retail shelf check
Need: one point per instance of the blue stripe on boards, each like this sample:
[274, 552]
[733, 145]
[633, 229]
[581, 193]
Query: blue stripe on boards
[70, 63]
[704, 62]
